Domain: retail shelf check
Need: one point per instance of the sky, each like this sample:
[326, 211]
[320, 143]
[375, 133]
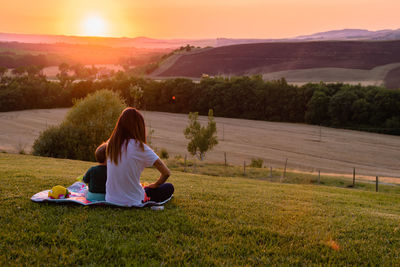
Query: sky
[195, 19]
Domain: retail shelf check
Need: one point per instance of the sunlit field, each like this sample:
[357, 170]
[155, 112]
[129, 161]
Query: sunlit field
[308, 148]
[210, 221]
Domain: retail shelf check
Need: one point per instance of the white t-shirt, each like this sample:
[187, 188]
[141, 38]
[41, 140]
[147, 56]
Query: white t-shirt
[123, 180]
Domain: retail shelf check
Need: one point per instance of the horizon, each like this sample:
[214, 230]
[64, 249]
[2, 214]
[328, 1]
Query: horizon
[204, 38]
[171, 19]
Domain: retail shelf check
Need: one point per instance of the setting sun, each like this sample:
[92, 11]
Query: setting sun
[94, 26]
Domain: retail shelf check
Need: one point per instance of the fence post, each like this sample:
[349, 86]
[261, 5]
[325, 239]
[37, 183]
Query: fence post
[185, 164]
[270, 172]
[225, 158]
[354, 177]
[194, 165]
[319, 176]
[244, 168]
[284, 171]
[377, 182]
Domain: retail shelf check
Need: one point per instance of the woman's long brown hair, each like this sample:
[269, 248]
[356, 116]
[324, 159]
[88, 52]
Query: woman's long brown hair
[130, 125]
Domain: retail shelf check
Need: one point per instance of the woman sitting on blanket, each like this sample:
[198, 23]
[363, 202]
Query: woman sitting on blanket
[127, 156]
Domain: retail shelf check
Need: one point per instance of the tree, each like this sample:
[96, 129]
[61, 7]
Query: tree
[19, 71]
[33, 70]
[202, 139]
[78, 69]
[317, 108]
[340, 106]
[361, 110]
[136, 95]
[63, 76]
[3, 71]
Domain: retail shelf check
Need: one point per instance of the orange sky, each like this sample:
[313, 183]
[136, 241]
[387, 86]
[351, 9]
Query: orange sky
[197, 19]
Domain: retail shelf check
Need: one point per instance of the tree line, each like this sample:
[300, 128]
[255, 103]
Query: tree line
[13, 60]
[369, 108]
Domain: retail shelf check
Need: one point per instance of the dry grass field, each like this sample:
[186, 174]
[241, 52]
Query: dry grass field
[375, 76]
[307, 148]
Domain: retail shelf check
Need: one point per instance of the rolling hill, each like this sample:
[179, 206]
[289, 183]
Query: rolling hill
[353, 34]
[392, 79]
[13, 54]
[146, 42]
[263, 58]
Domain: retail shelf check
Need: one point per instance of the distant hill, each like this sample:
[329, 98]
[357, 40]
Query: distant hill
[273, 57]
[353, 34]
[138, 42]
[13, 54]
[145, 42]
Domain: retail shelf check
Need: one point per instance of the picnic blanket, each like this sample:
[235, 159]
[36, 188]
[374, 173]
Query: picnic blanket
[77, 195]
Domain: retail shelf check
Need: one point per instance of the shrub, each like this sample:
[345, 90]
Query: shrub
[178, 157]
[88, 124]
[64, 141]
[202, 138]
[164, 154]
[392, 125]
[20, 148]
[256, 162]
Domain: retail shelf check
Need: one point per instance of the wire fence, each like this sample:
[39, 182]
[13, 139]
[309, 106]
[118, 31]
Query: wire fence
[257, 169]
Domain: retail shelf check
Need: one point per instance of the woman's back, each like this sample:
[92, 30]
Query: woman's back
[123, 180]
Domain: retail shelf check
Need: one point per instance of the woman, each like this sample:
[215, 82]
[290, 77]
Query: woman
[127, 156]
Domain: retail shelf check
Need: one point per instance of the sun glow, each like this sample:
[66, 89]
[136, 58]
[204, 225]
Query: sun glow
[94, 26]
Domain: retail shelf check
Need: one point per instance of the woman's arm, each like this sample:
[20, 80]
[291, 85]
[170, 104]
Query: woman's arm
[164, 173]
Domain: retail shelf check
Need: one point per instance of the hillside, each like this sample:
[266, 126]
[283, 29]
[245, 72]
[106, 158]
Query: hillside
[13, 54]
[210, 221]
[353, 34]
[146, 42]
[392, 79]
[265, 58]
[137, 42]
[377, 76]
[308, 148]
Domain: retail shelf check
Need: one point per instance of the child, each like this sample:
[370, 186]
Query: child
[96, 176]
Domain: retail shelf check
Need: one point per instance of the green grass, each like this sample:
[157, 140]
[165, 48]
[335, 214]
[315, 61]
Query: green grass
[212, 220]
[264, 174]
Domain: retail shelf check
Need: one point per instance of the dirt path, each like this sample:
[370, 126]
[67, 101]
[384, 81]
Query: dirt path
[334, 151]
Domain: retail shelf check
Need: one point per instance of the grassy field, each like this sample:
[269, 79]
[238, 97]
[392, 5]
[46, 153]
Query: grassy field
[212, 220]
[277, 175]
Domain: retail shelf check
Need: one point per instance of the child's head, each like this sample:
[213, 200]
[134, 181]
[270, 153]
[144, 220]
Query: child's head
[100, 153]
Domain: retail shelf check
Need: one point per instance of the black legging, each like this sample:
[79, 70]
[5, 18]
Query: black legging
[161, 193]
